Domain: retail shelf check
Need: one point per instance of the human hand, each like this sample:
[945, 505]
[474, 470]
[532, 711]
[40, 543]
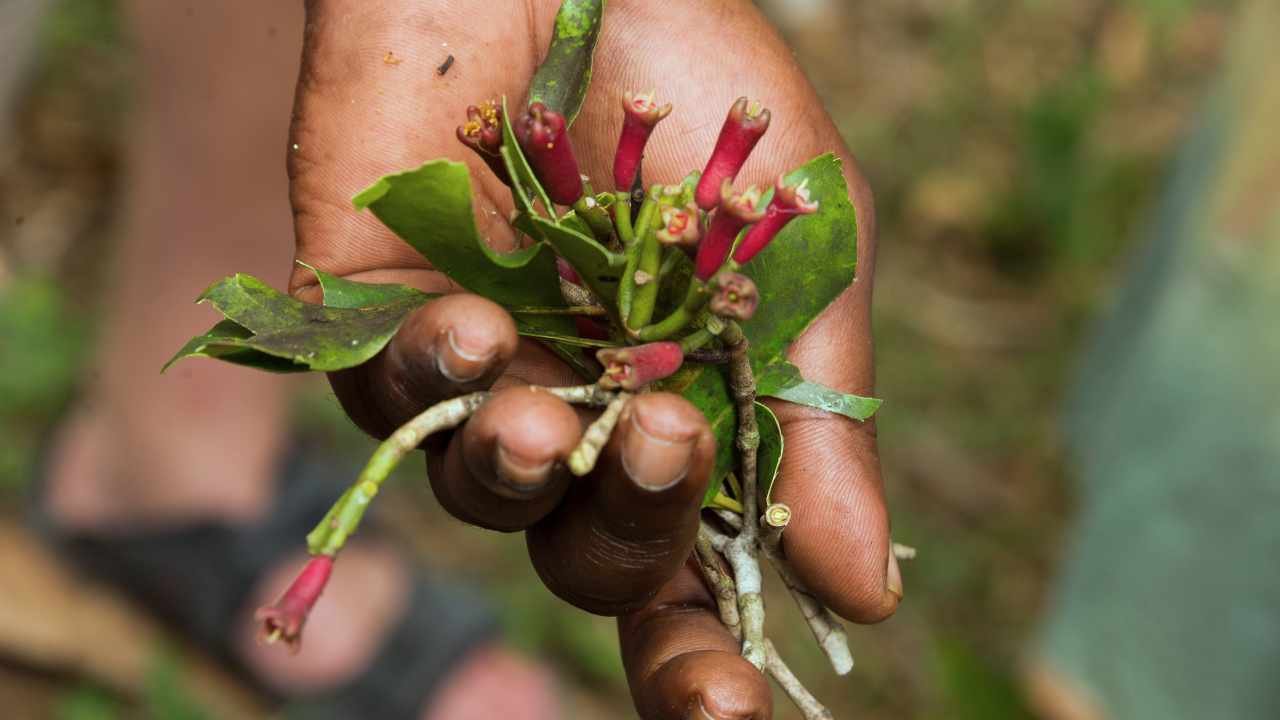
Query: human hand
[371, 102]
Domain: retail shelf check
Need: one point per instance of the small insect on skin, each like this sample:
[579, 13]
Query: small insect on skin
[444, 67]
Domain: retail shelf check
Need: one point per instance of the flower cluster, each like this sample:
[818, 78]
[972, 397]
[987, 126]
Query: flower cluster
[719, 227]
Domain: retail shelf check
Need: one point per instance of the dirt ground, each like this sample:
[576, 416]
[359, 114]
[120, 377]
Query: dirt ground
[1014, 147]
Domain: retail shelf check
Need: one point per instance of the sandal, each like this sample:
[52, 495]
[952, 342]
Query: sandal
[198, 578]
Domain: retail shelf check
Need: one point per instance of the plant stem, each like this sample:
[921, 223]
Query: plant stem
[648, 211]
[645, 298]
[589, 310]
[694, 340]
[344, 517]
[680, 318]
[826, 628]
[707, 547]
[708, 356]
[670, 262]
[622, 219]
[584, 456]
[725, 502]
[596, 217]
[627, 287]
[787, 680]
[742, 552]
[718, 579]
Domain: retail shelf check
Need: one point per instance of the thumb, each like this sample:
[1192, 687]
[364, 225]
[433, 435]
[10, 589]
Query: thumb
[838, 539]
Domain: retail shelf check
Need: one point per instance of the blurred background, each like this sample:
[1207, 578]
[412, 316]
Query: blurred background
[1015, 148]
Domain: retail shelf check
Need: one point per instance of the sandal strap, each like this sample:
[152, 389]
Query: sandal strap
[198, 577]
[440, 626]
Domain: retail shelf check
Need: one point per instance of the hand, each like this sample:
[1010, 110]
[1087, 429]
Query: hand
[617, 543]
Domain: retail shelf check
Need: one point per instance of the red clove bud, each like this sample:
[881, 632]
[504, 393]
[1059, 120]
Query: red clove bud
[631, 368]
[641, 114]
[482, 132]
[284, 619]
[736, 211]
[788, 202]
[544, 137]
[742, 129]
[680, 226]
[734, 296]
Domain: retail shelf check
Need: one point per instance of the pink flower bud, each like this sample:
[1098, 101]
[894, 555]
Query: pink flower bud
[788, 202]
[544, 137]
[680, 226]
[736, 211]
[284, 619]
[734, 296]
[641, 115]
[631, 368]
[482, 132]
[743, 127]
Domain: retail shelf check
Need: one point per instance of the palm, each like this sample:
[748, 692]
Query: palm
[359, 118]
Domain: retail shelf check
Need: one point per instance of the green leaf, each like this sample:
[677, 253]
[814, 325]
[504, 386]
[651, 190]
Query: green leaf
[270, 330]
[805, 268]
[599, 268]
[782, 380]
[561, 81]
[822, 397]
[769, 454]
[430, 208]
[231, 342]
[343, 293]
[562, 339]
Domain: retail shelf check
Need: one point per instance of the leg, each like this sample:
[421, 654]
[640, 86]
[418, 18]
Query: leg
[208, 196]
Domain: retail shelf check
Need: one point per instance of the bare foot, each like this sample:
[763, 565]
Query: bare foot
[363, 601]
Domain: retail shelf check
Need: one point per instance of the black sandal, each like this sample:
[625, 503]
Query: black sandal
[198, 578]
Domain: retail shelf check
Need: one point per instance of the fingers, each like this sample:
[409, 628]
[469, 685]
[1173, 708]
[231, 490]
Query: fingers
[505, 470]
[454, 345]
[624, 531]
[681, 662]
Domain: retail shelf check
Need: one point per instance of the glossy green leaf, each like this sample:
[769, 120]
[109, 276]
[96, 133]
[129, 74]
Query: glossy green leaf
[600, 269]
[782, 380]
[344, 293]
[270, 330]
[430, 208]
[807, 266]
[230, 342]
[561, 81]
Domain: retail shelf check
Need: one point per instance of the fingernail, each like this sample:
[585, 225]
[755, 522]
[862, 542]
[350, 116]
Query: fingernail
[652, 459]
[458, 361]
[893, 578]
[518, 474]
